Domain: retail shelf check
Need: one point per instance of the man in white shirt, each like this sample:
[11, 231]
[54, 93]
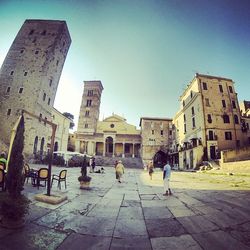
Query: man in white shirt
[166, 178]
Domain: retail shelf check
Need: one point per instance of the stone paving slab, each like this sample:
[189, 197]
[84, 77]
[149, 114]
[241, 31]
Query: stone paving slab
[32, 237]
[218, 240]
[197, 224]
[135, 243]
[126, 228]
[104, 211]
[181, 211]
[175, 243]
[77, 241]
[164, 227]
[130, 213]
[157, 213]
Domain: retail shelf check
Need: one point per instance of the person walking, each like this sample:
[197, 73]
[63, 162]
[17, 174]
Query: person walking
[84, 165]
[116, 176]
[93, 164]
[3, 161]
[119, 169]
[150, 169]
[166, 179]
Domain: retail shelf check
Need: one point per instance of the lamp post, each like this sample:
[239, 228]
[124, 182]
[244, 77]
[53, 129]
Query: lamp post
[53, 126]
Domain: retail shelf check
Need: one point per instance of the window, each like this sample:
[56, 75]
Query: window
[233, 104]
[50, 82]
[11, 73]
[112, 125]
[210, 135]
[236, 119]
[161, 132]
[86, 125]
[170, 132]
[90, 93]
[185, 128]
[207, 102]
[226, 119]
[36, 52]
[8, 90]
[204, 85]
[184, 118]
[8, 111]
[183, 103]
[209, 118]
[127, 148]
[228, 136]
[230, 89]
[20, 91]
[191, 94]
[49, 101]
[223, 103]
[152, 132]
[43, 33]
[57, 62]
[87, 113]
[25, 73]
[192, 110]
[89, 102]
[221, 89]
[44, 96]
[21, 51]
[193, 122]
[31, 32]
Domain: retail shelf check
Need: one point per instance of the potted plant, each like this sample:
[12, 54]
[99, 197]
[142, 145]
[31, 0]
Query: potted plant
[84, 181]
[14, 205]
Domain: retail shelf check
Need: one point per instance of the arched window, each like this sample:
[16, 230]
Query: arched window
[42, 146]
[35, 145]
[236, 119]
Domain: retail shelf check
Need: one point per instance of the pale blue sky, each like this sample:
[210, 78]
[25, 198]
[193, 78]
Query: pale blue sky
[144, 51]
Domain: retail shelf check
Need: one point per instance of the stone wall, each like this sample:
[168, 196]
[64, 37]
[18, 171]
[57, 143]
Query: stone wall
[236, 167]
[235, 155]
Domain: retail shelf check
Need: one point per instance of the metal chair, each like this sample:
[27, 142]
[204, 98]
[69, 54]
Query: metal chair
[42, 175]
[60, 178]
[29, 173]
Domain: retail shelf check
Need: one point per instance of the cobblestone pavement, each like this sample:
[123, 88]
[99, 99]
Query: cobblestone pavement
[204, 212]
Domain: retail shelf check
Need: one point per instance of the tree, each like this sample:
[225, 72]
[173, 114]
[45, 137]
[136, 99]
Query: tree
[14, 180]
[71, 117]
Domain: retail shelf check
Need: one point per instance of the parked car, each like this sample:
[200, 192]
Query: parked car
[72, 158]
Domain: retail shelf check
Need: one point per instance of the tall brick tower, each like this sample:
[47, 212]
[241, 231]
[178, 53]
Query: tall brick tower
[90, 107]
[29, 78]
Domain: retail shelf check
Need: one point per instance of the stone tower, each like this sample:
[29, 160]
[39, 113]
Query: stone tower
[90, 107]
[29, 78]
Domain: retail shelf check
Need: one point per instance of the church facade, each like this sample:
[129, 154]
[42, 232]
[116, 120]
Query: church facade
[113, 136]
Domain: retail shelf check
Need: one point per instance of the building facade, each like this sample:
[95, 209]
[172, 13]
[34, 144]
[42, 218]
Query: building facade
[156, 135]
[29, 77]
[62, 130]
[209, 121]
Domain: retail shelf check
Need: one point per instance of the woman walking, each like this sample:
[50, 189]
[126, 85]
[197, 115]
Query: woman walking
[119, 169]
[150, 169]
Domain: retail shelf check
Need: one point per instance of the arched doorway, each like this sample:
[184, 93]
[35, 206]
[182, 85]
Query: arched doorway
[56, 146]
[35, 145]
[160, 159]
[109, 146]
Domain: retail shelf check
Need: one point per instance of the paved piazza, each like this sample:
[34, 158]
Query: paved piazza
[206, 211]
